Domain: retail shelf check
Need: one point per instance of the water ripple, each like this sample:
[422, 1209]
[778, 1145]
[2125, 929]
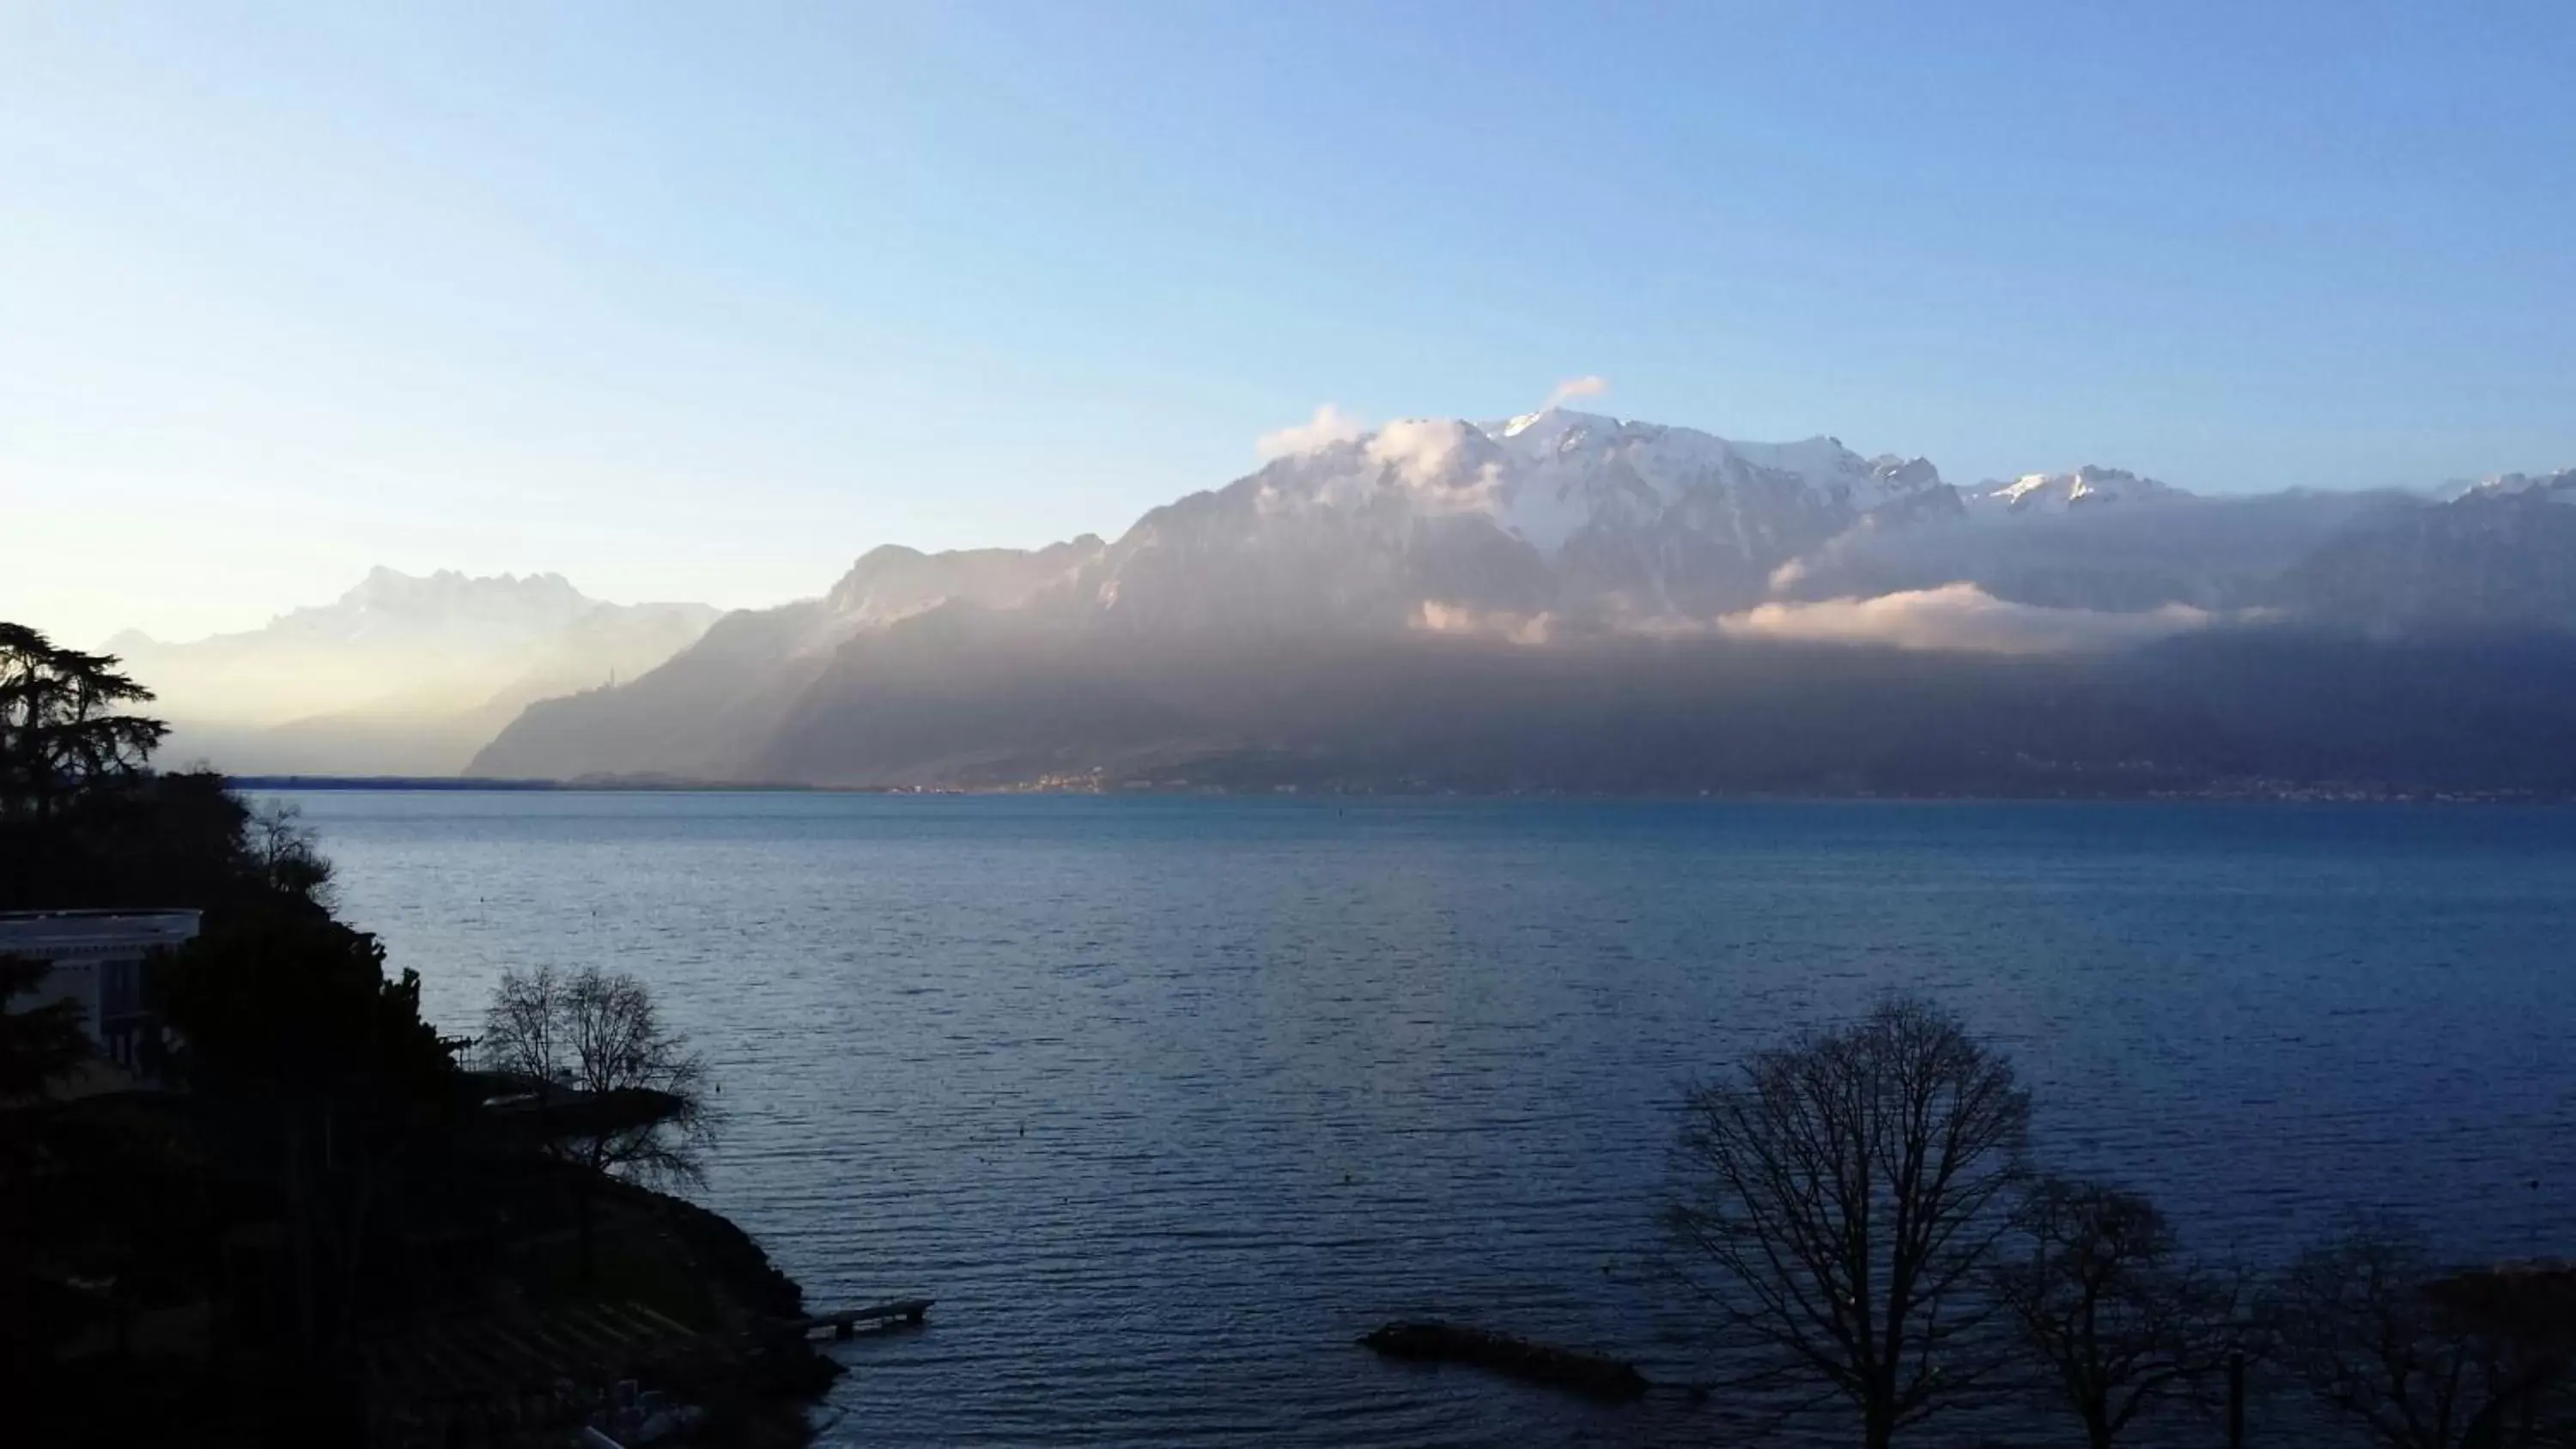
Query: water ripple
[1167, 1101]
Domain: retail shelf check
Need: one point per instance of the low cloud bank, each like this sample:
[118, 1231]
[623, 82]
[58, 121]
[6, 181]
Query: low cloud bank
[1962, 616]
[1438, 617]
[1957, 616]
[2214, 553]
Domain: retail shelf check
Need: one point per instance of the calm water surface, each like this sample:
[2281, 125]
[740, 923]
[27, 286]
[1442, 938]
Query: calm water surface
[1167, 1100]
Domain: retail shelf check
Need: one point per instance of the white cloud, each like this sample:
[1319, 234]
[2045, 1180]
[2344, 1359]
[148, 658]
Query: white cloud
[1961, 616]
[1789, 575]
[1439, 617]
[1418, 448]
[1953, 616]
[1329, 425]
[1575, 387]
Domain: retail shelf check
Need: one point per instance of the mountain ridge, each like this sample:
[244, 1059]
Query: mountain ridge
[1430, 541]
[1559, 526]
[401, 674]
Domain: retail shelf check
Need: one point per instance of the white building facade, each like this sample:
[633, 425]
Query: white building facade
[95, 959]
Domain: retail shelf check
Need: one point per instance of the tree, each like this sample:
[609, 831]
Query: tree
[2362, 1322]
[314, 1072]
[644, 1113]
[1839, 1206]
[282, 857]
[39, 1043]
[60, 732]
[2105, 1303]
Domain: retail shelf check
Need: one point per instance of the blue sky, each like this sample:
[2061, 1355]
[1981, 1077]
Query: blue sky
[703, 301]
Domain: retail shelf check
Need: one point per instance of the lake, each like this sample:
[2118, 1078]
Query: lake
[1167, 1100]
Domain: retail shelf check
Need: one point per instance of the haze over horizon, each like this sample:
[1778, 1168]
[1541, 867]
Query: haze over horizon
[696, 310]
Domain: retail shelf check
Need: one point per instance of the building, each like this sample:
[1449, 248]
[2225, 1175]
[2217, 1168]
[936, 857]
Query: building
[96, 959]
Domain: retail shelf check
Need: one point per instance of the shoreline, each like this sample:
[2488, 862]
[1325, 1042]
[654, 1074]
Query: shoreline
[2251, 793]
[777, 1374]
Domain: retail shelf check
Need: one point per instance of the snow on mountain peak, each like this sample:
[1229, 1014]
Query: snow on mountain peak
[2558, 487]
[2087, 487]
[1550, 477]
[1548, 427]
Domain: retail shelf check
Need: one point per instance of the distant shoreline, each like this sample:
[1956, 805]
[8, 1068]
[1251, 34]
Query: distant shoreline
[2261, 792]
[480, 783]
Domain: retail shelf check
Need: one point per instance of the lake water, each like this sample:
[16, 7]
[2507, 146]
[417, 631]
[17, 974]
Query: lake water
[1168, 1100]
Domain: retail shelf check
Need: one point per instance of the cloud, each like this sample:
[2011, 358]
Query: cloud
[1962, 616]
[2205, 551]
[1793, 573]
[1575, 387]
[1436, 616]
[1330, 425]
[1418, 448]
[1954, 616]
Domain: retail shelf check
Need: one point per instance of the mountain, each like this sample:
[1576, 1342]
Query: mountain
[402, 674]
[2501, 555]
[968, 698]
[1565, 600]
[692, 717]
[1559, 516]
[2086, 488]
[1590, 520]
[2558, 487]
[2094, 540]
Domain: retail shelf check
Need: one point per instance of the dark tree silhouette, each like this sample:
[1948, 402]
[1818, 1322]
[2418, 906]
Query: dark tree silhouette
[2106, 1304]
[37, 1043]
[283, 857]
[600, 1033]
[61, 729]
[2362, 1322]
[311, 1069]
[1840, 1205]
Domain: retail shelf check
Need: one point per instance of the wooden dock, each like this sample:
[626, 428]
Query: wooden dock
[906, 1311]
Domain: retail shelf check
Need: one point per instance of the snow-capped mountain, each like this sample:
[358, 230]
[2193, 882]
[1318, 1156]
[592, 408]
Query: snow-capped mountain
[1294, 604]
[1561, 512]
[2502, 555]
[2558, 487]
[1589, 520]
[2087, 487]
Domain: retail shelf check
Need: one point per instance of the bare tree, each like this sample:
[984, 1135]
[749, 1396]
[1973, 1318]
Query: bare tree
[2362, 1321]
[643, 1113]
[1839, 1207]
[283, 853]
[2108, 1306]
[601, 1033]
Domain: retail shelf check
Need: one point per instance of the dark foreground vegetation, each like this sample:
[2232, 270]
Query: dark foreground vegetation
[300, 1215]
[1856, 1219]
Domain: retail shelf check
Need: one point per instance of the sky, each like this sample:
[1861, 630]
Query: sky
[702, 302]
